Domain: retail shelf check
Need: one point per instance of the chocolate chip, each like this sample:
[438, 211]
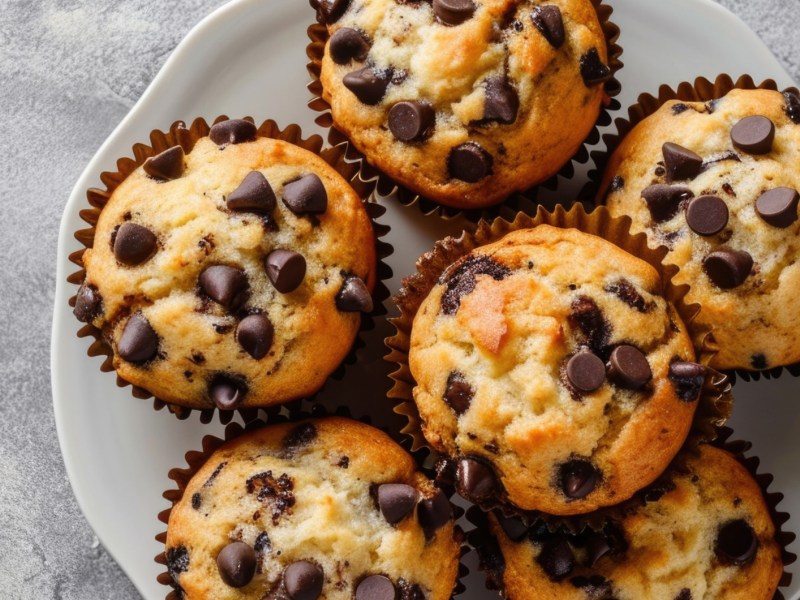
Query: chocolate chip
[433, 513]
[226, 285]
[628, 367]
[177, 562]
[459, 393]
[792, 107]
[347, 44]
[138, 342]
[254, 334]
[226, 392]
[232, 131]
[330, 11]
[753, 134]
[627, 292]
[778, 206]
[87, 303]
[548, 20]
[688, 379]
[210, 481]
[300, 437]
[197, 500]
[166, 166]
[376, 587]
[286, 270]
[411, 120]
[578, 478]
[475, 480]
[679, 108]
[664, 201]
[462, 280]
[396, 501]
[254, 195]
[728, 268]
[303, 580]
[617, 184]
[134, 244]
[586, 372]
[368, 84]
[237, 564]
[276, 494]
[502, 101]
[354, 296]
[707, 215]
[513, 527]
[453, 12]
[596, 548]
[681, 163]
[588, 318]
[736, 544]
[409, 591]
[593, 70]
[306, 195]
[596, 587]
[759, 361]
[556, 558]
[469, 162]
[262, 544]
[684, 594]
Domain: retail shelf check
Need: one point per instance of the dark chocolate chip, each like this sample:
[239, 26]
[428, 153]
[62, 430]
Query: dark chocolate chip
[237, 564]
[197, 500]
[276, 494]
[556, 558]
[593, 70]
[453, 12]
[679, 108]
[617, 184]
[210, 481]
[627, 292]
[409, 591]
[300, 437]
[664, 201]
[396, 501]
[596, 548]
[548, 20]
[412, 120]
[254, 334]
[232, 131]
[348, 44]
[330, 11]
[226, 392]
[354, 296]
[578, 478]
[628, 367]
[368, 84]
[684, 594]
[502, 101]
[513, 527]
[707, 215]
[138, 342]
[759, 361]
[433, 513]
[688, 379]
[286, 270]
[589, 319]
[459, 393]
[736, 544]
[469, 162]
[226, 285]
[462, 280]
[681, 163]
[754, 135]
[376, 587]
[792, 107]
[262, 544]
[177, 562]
[134, 244]
[728, 268]
[254, 195]
[586, 372]
[166, 166]
[306, 195]
[303, 580]
[87, 303]
[475, 480]
[778, 206]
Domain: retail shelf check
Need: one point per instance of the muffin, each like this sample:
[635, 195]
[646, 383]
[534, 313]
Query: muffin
[710, 535]
[553, 372]
[327, 508]
[717, 183]
[464, 102]
[231, 275]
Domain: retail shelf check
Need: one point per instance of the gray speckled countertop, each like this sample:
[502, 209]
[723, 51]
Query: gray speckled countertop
[70, 70]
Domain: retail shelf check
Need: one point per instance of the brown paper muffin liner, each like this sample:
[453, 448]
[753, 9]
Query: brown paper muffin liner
[186, 136]
[700, 90]
[714, 405]
[490, 559]
[298, 410]
[520, 202]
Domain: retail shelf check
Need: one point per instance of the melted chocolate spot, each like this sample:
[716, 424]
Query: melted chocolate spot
[588, 318]
[276, 494]
[462, 280]
[628, 293]
[177, 563]
[759, 361]
[617, 184]
[297, 439]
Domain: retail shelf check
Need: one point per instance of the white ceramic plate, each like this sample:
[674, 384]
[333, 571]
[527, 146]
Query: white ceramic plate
[248, 58]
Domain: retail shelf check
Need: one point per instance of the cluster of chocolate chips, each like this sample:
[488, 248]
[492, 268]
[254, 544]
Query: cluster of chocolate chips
[397, 501]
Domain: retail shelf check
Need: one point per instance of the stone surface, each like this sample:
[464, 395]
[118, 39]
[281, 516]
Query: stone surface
[69, 72]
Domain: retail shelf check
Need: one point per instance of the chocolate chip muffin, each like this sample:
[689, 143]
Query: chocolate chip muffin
[718, 183]
[464, 102]
[710, 535]
[327, 508]
[233, 275]
[553, 372]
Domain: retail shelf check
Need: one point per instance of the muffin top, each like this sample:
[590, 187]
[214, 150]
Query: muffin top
[326, 508]
[464, 102]
[718, 183]
[710, 535]
[233, 275]
[551, 368]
